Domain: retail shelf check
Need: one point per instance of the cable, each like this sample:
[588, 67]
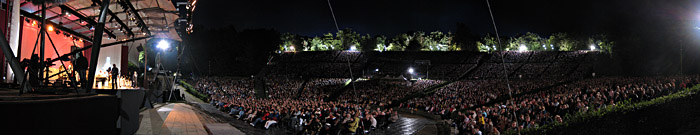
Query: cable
[334, 21]
[503, 61]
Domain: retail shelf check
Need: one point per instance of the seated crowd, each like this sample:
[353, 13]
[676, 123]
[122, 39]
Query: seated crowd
[553, 105]
[382, 93]
[481, 103]
[302, 116]
[467, 93]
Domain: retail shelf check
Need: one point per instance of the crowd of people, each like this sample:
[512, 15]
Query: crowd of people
[316, 117]
[467, 93]
[319, 89]
[229, 87]
[552, 105]
[481, 103]
[383, 92]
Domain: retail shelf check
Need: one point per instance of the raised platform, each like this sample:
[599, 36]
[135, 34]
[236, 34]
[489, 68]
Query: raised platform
[107, 112]
[59, 114]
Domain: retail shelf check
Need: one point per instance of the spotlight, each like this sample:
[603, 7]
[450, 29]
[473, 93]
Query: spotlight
[163, 45]
[410, 70]
[522, 48]
[50, 28]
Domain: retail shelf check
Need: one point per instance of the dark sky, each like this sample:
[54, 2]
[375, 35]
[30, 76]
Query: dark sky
[649, 33]
[313, 17]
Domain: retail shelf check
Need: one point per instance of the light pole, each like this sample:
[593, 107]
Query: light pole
[410, 71]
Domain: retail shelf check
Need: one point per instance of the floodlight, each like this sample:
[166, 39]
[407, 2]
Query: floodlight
[163, 45]
[522, 48]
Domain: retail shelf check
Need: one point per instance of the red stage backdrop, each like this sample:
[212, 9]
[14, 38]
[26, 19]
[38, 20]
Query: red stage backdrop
[63, 43]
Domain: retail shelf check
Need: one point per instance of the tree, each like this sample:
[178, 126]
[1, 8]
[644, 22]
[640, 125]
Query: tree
[435, 41]
[348, 38]
[317, 44]
[331, 43]
[292, 42]
[368, 43]
[465, 39]
[413, 45]
[381, 43]
[487, 43]
[601, 41]
[399, 42]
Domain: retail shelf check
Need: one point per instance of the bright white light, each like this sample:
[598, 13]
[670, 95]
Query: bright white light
[522, 48]
[149, 69]
[592, 48]
[291, 48]
[353, 48]
[376, 70]
[410, 70]
[163, 45]
[545, 47]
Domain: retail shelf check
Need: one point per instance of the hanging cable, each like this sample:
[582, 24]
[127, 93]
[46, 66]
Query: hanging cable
[334, 21]
[503, 61]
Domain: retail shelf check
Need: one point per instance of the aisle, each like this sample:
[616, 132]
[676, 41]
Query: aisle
[172, 118]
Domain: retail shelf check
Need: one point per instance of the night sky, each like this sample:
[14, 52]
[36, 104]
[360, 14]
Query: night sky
[313, 17]
[648, 33]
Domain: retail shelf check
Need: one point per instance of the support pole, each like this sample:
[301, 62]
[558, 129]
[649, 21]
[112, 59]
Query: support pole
[14, 63]
[65, 68]
[42, 42]
[97, 41]
[145, 67]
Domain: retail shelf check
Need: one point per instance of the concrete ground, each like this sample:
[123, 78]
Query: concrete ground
[182, 119]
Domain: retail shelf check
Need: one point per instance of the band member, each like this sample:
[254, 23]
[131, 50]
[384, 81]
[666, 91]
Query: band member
[115, 75]
[81, 65]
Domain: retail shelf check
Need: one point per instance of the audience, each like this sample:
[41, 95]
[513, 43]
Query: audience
[482, 102]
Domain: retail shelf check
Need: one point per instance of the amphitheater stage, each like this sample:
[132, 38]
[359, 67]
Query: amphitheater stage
[33, 113]
[106, 112]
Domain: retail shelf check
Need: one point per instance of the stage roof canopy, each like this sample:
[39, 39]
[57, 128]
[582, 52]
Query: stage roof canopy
[126, 19]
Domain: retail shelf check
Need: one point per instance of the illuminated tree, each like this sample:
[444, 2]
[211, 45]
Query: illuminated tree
[331, 43]
[487, 43]
[317, 44]
[291, 42]
[601, 41]
[348, 38]
[381, 43]
[368, 43]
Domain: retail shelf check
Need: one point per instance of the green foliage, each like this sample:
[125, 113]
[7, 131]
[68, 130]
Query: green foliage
[292, 42]
[142, 56]
[439, 41]
[348, 38]
[192, 91]
[435, 41]
[381, 43]
[331, 43]
[620, 107]
[367, 43]
[487, 44]
[317, 44]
